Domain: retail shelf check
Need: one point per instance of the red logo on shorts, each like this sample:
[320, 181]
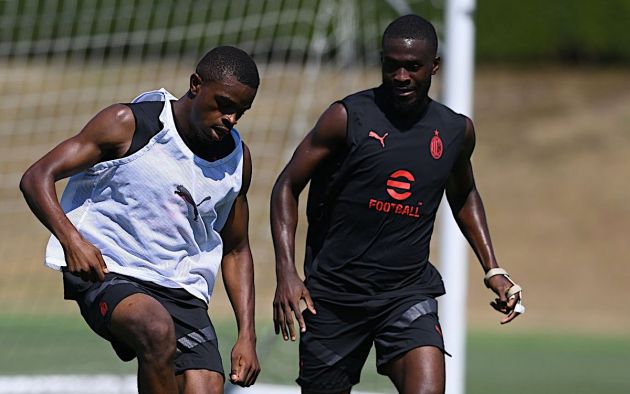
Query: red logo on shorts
[399, 181]
[103, 307]
[436, 145]
[437, 328]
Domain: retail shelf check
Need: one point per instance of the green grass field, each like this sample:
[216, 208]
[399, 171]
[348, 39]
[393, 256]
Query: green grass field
[516, 362]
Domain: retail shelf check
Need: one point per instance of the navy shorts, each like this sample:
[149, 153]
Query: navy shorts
[197, 345]
[338, 339]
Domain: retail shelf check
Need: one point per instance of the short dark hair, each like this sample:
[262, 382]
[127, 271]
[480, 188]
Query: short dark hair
[414, 27]
[225, 61]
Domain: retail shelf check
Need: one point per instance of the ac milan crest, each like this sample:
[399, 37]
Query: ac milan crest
[436, 145]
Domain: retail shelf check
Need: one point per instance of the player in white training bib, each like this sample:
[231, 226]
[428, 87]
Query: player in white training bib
[155, 203]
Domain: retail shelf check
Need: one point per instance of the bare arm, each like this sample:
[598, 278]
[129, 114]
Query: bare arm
[238, 276]
[107, 135]
[321, 143]
[470, 216]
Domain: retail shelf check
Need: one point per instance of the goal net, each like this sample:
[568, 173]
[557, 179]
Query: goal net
[61, 61]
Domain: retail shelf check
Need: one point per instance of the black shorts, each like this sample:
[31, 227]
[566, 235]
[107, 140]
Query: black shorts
[338, 339]
[197, 345]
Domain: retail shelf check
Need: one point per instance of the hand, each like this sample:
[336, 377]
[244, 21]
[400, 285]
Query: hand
[286, 304]
[500, 285]
[245, 366]
[84, 259]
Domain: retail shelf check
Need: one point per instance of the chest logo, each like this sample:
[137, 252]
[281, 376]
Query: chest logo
[399, 188]
[437, 147]
[380, 139]
[399, 184]
[186, 196]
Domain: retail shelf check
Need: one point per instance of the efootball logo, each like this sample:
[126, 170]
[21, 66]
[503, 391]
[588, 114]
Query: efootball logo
[399, 184]
[399, 188]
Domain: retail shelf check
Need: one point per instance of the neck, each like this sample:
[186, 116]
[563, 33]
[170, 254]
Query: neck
[181, 112]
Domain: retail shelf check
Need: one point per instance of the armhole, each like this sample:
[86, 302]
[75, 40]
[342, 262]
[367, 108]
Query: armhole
[249, 183]
[462, 135]
[348, 139]
[147, 120]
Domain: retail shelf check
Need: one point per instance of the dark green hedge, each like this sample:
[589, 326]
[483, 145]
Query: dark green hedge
[582, 31]
[509, 31]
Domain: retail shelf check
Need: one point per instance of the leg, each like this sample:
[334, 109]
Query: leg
[420, 370]
[198, 365]
[410, 347]
[333, 349]
[200, 381]
[143, 324]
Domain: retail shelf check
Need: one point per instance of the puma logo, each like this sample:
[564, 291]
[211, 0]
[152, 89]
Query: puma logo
[378, 137]
[186, 196]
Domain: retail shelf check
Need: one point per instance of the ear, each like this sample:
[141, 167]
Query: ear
[436, 65]
[195, 84]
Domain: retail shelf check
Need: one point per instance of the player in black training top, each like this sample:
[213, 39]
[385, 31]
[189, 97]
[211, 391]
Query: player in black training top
[379, 162]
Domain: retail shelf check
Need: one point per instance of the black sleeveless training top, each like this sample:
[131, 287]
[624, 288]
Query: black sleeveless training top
[147, 117]
[371, 209]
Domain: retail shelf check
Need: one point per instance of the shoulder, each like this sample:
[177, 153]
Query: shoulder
[331, 125]
[335, 123]
[146, 111]
[247, 169]
[447, 114]
[247, 156]
[359, 103]
[469, 134]
[363, 96]
[450, 120]
[112, 126]
[460, 123]
[120, 115]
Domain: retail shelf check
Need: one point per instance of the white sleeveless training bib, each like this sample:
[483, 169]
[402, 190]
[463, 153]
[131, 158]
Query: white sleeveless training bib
[156, 215]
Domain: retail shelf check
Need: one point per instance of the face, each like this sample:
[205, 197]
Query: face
[408, 66]
[217, 106]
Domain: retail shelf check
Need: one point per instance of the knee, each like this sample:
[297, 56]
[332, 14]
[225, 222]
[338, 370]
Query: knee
[156, 340]
[431, 389]
[420, 388]
[427, 385]
[201, 381]
[143, 324]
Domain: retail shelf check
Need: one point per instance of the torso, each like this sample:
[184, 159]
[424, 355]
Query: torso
[370, 223]
[156, 214]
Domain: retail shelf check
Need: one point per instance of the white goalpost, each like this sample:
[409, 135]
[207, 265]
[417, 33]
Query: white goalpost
[458, 95]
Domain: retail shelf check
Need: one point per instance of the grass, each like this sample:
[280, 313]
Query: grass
[547, 363]
[55, 345]
[521, 362]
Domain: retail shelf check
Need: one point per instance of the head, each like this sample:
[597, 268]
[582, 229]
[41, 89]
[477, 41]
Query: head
[409, 60]
[222, 88]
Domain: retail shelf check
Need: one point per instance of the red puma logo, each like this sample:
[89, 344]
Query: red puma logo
[378, 137]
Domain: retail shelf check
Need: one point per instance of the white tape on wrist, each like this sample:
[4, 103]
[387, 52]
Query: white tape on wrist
[511, 292]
